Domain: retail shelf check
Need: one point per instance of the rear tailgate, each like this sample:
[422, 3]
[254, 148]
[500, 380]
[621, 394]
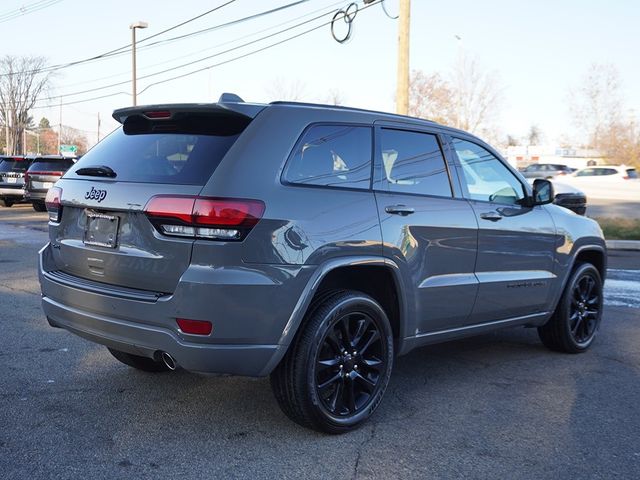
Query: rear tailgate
[138, 256]
[103, 232]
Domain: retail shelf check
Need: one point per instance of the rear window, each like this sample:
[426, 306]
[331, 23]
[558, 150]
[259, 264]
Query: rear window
[51, 165]
[10, 165]
[332, 156]
[183, 155]
[631, 173]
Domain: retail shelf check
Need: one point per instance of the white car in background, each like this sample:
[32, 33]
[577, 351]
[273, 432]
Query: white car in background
[607, 181]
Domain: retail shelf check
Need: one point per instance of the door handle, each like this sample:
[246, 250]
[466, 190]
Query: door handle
[401, 210]
[491, 216]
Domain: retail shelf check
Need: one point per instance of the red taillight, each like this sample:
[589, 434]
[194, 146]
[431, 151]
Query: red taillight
[53, 203]
[158, 114]
[51, 174]
[227, 213]
[194, 327]
[210, 218]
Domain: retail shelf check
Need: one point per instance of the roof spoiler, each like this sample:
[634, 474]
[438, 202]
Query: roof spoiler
[229, 104]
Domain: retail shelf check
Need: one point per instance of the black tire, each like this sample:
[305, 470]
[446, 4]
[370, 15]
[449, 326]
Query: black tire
[6, 203]
[317, 384]
[573, 326]
[39, 206]
[141, 363]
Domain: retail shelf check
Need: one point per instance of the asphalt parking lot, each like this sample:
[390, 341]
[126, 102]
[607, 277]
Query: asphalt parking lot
[496, 406]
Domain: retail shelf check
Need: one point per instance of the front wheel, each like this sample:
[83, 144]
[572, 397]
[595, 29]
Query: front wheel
[574, 324]
[337, 370]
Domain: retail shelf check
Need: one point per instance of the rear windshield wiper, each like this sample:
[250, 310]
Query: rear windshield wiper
[97, 171]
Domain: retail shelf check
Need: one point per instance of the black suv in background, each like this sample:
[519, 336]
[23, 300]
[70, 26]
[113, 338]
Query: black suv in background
[42, 174]
[12, 169]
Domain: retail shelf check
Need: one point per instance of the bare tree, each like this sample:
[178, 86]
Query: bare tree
[477, 95]
[597, 106]
[282, 89]
[334, 97]
[21, 84]
[73, 136]
[430, 97]
[534, 136]
[469, 98]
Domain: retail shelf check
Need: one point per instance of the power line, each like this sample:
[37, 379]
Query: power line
[125, 82]
[126, 48]
[26, 9]
[216, 64]
[235, 40]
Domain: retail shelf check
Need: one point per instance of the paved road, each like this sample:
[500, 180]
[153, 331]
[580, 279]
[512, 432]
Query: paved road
[597, 207]
[496, 406]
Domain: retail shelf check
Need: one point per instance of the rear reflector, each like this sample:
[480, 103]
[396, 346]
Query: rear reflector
[52, 202]
[194, 327]
[200, 217]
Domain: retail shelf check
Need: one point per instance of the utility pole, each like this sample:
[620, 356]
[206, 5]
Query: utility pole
[59, 127]
[402, 92]
[24, 141]
[6, 128]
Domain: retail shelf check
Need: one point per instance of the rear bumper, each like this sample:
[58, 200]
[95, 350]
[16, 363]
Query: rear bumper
[35, 195]
[12, 192]
[246, 329]
[147, 341]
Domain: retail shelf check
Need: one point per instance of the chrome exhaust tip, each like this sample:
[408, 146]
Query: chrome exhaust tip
[169, 361]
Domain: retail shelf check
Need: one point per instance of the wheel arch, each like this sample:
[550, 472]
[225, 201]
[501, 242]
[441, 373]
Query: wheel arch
[338, 274]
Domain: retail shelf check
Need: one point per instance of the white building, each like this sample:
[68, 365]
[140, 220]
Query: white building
[520, 156]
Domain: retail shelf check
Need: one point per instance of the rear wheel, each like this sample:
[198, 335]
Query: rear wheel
[6, 203]
[39, 206]
[337, 370]
[574, 324]
[141, 363]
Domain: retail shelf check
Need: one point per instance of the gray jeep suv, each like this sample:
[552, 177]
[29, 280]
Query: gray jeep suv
[310, 243]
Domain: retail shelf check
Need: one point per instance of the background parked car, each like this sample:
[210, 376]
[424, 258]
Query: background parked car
[607, 181]
[12, 171]
[40, 177]
[545, 170]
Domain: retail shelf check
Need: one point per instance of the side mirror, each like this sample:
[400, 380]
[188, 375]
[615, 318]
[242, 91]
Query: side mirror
[542, 192]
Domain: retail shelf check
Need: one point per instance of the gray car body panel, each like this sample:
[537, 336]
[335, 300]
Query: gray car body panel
[454, 273]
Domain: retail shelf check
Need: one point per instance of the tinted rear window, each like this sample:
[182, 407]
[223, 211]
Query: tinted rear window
[51, 165]
[153, 155]
[13, 165]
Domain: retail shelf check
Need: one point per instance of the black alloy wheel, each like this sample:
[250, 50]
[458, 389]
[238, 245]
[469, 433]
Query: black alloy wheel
[573, 326]
[350, 364]
[335, 373]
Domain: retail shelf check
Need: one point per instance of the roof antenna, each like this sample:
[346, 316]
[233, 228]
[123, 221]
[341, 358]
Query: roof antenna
[230, 98]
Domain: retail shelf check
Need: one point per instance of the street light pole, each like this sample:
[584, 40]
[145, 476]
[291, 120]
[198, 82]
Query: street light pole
[133, 28]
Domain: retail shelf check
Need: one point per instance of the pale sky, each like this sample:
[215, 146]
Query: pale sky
[539, 49]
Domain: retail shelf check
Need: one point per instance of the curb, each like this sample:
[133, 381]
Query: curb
[623, 244]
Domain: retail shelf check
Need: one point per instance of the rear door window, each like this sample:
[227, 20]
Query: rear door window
[412, 162]
[332, 156]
